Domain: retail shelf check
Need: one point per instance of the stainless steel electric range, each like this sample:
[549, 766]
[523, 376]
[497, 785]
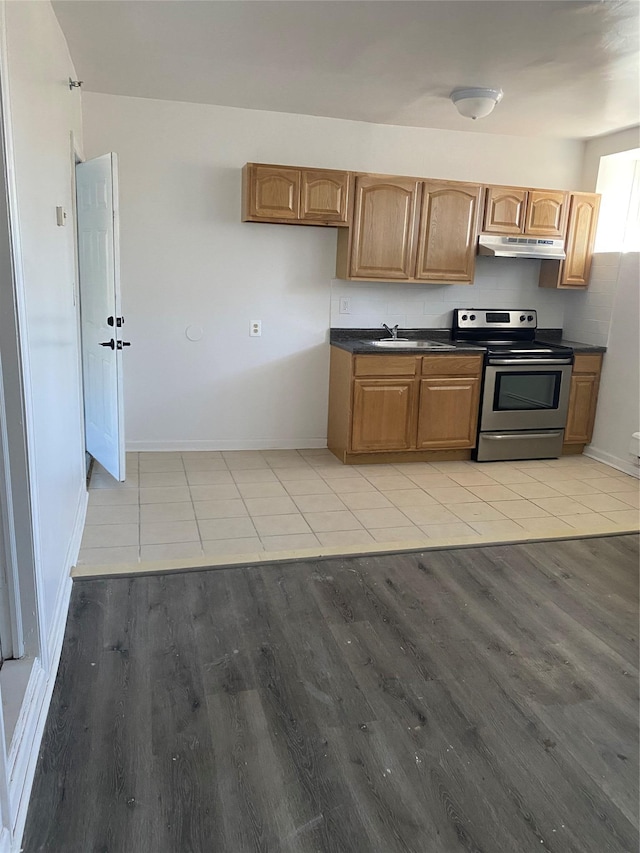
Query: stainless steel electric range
[525, 393]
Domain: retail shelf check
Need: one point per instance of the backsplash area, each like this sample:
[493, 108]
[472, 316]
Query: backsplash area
[588, 312]
[499, 283]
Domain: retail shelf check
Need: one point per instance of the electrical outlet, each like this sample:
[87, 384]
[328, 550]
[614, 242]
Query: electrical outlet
[345, 305]
[256, 328]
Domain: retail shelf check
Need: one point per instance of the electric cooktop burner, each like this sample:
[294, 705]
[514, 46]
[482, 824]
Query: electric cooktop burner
[524, 348]
[505, 333]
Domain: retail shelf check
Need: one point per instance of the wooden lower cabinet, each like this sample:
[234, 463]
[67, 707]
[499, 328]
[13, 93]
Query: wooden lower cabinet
[448, 412]
[407, 405]
[383, 415]
[583, 398]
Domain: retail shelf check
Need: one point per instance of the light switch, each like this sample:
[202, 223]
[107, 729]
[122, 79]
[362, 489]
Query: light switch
[61, 216]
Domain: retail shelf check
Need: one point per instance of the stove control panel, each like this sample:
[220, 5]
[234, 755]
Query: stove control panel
[476, 318]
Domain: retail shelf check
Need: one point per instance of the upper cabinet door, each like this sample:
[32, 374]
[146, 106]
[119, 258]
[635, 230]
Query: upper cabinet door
[546, 214]
[274, 193]
[324, 196]
[384, 226]
[504, 211]
[448, 230]
[581, 235]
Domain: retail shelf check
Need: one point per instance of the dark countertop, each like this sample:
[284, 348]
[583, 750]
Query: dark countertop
[353, 340]
[576, 346]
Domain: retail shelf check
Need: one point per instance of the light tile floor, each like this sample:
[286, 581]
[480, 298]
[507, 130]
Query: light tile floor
[204, 508]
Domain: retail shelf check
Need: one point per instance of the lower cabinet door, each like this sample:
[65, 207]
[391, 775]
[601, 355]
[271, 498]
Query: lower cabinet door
[582, 409]
[384, 415]
[448, 413]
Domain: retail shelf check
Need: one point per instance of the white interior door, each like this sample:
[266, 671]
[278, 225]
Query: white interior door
[100, 312]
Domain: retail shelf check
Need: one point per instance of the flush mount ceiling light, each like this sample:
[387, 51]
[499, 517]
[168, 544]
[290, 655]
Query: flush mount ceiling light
[475, 102]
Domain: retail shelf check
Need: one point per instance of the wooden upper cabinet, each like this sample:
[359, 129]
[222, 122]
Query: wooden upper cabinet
[296, 196]
[324, 195]
[447, 232]
[517, 210]
[546, 213]
[581, 235]
[504, 211]
[383, 244]
[274, 193]
[574, 272]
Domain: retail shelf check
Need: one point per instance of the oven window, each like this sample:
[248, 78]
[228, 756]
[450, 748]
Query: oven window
[527, 390]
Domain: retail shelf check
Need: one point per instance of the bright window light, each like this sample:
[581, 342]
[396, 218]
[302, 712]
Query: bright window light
[619, 220]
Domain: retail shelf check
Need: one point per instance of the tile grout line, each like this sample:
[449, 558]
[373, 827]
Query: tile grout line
[573, 471]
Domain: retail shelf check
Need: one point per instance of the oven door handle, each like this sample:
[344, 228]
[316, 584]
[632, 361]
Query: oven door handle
[503, 436]
[523, 362]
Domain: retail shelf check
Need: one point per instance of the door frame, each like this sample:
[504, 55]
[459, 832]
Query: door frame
[16, 511]
[76, 156]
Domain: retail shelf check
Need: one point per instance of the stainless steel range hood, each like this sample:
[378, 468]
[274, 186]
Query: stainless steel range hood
[521, 247]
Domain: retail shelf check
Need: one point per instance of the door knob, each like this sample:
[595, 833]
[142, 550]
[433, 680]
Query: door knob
[122, 344]
[110, 343]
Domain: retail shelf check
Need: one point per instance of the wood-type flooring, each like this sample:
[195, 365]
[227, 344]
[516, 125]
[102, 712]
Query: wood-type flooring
[480, 700]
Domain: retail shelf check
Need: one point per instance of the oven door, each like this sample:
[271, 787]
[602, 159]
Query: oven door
[522, 394]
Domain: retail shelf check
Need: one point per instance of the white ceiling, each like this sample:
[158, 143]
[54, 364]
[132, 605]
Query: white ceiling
[568, 69]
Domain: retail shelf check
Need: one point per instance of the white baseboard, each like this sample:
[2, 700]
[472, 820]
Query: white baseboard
[5, 841]
[24, 755]
[249, 444]
[614, 461]
[25, 744]
[59, 617]
[78, 529]
[23, 759]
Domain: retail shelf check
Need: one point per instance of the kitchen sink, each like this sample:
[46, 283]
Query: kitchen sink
[405, 343]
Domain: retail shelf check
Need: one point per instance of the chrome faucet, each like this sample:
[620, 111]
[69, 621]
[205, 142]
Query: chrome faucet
[393, 332]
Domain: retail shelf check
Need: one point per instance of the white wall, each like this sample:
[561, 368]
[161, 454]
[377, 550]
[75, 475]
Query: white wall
[599, 147]
[607, 313]
[587, 313]
[39, 115]
[618, 414]
[44, 113]
[187, 259]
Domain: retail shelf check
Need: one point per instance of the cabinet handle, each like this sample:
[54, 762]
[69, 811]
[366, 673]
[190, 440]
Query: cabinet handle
[518, 437]
[522, 362]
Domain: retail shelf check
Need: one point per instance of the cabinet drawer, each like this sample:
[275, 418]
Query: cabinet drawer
[587, 363]
[384, 365]
[451, 365]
